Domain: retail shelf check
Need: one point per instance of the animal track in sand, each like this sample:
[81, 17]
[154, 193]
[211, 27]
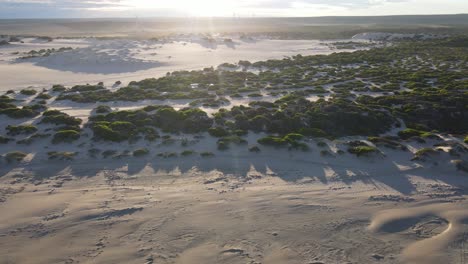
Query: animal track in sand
[436, 227]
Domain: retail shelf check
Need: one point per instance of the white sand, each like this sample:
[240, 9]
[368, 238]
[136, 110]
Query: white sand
[93, 61]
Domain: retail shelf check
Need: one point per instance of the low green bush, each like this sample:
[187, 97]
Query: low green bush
[58, 88]
[15, 156]
[312, 132]
[207, 154]
[425, 152]
[140, 152]
[186, 153]
[103, 109]
[363, 150]
[44, 96]
[4, 140]
[273, 141]
[218, 132]
[28, 92]
[65, 136]
[20, 130]
[59, 118]
[409, 133]
[18, 113]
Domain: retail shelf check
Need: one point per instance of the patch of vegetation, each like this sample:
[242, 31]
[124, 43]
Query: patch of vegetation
[103, 109]
[291, 140]
[186, 153]
[425, 153]
[20, 130]
[363, 150]
[28, 92]
[218, 132]
[58, 88]
[140, 152]
[225, 142]
[207, 154]
[126, 125]
[387, 142]
[5, 140]
[43, 96]
[19, 113]
[65, 136]
[15, 156]
[59, 118]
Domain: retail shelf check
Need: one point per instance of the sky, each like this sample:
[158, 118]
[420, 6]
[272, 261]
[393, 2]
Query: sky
[224, 8]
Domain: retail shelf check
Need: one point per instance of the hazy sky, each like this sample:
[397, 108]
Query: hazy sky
[154, 8]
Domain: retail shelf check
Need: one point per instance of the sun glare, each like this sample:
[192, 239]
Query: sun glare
[189, 7]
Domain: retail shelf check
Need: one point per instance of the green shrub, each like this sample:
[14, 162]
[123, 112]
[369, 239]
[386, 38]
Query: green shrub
[44, 96]
[386, 142]
[362, 150]
[222, 145]
[233, 139]
[58, 118]
[19, 113]
[186, 153]
[218, 132]
[241, 132]
[291, 137]
[58, 88]
[299, 145]
[15, 156]
[425, 152]
[312, 132]
[4, 140]
[103, 109]
[20, 130]
[140, 152]
[65, 136]
[104, 132]
[28, 92]
[466, 140]
[409, 133]
[207, 154]
[273, 141]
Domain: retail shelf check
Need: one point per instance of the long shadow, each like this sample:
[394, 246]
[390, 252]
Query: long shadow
[290, 166]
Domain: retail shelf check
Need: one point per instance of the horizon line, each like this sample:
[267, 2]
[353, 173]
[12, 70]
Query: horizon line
[210, 17]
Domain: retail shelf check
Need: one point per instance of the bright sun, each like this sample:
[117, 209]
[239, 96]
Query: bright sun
[190, 7]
